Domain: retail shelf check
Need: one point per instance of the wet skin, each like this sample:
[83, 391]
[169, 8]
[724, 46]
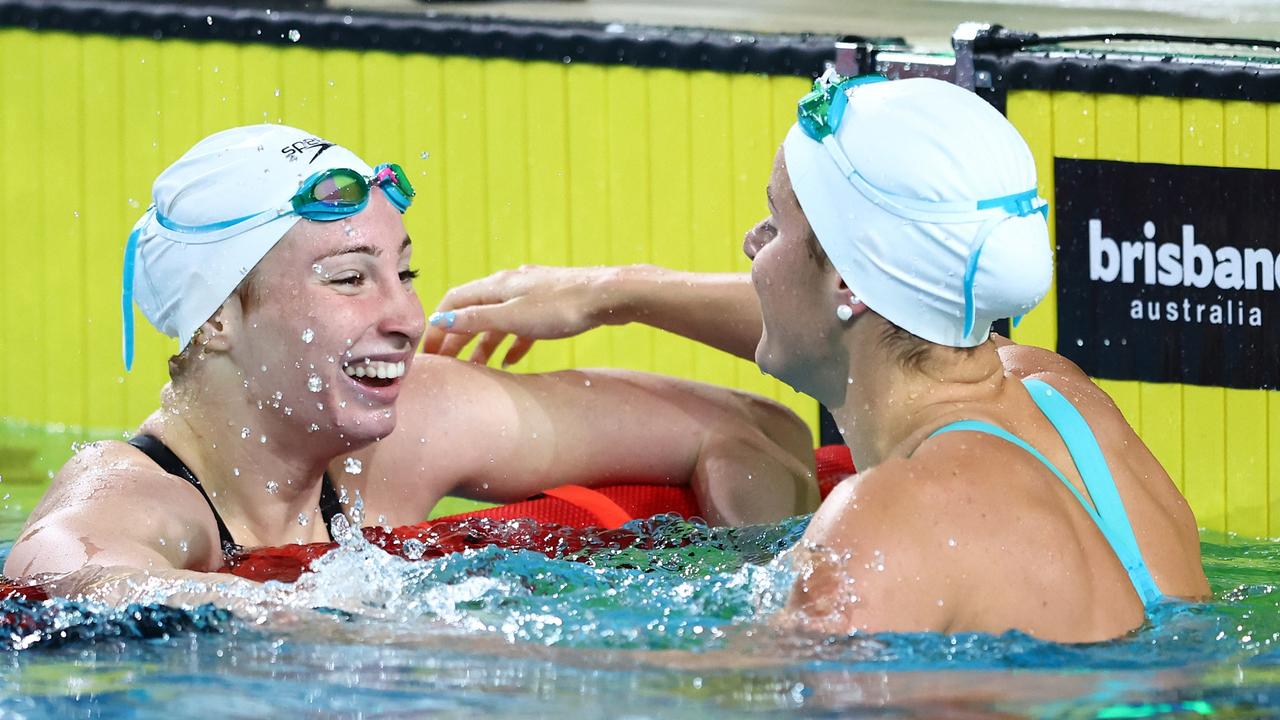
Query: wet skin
[265, 408]
[965, 531]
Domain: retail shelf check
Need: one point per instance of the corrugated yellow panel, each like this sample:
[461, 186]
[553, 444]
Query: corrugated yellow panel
[342, 100]
[1204, 408]
[670, 188]
[752, 151]
[629, 200]
[1159, 141]
[506, 169]
[15, 87]
[1245, 133]
[23, 266]
[712, 218]
[422, 130]
[5, 71]
[62, 154]
[546, 98]
[220, 92]
[260, 84]
[105, 227]
[1117, 139]
[1031, 112]
[142, 104]
[588, 190]
[301, 89]
[464, 158]
[380, 105]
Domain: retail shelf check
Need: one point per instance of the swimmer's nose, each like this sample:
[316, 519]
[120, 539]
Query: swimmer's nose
[403, 315]
[754, 240]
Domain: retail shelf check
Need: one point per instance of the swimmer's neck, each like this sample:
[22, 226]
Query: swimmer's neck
[207, 431]
[888, 408]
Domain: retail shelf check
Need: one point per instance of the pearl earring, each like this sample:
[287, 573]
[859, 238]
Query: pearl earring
[844, 312]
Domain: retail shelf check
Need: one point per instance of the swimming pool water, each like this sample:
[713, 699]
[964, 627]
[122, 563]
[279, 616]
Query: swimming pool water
[671, 632]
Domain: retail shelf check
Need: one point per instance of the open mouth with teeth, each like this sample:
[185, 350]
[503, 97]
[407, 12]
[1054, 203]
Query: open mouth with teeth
[374, 373]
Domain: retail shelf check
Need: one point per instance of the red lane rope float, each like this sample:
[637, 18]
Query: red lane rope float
[552, 523]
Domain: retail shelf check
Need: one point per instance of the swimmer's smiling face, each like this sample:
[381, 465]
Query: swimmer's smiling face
[335, 324]
[799, 291]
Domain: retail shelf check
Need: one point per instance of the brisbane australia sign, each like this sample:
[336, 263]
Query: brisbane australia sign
[1169, 273]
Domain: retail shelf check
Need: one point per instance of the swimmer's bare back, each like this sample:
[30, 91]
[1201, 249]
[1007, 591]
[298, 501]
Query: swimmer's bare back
[968, 532]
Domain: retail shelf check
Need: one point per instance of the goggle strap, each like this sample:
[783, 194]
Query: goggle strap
[971, 270]
[126, 298]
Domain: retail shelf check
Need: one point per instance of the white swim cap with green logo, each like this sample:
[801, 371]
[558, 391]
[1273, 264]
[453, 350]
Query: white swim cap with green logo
[215, 214]
[924, 198]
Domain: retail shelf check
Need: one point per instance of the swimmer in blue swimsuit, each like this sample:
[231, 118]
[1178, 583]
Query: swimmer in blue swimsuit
[1000, 488]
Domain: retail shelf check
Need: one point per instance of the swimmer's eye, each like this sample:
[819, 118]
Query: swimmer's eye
[408, 275]
[352, 279]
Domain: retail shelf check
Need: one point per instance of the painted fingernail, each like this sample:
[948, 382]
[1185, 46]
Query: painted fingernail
[443, 319]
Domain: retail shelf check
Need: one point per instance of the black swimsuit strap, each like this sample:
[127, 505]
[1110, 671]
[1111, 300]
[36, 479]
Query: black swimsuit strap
[160, 453]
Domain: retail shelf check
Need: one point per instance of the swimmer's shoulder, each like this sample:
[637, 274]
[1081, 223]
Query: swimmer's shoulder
[109, 491]
[1026, 362]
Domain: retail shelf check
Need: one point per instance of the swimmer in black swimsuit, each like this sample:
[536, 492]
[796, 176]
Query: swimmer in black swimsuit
[297, 392]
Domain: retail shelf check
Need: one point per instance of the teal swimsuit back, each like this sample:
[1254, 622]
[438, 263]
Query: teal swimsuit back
[1107, 511]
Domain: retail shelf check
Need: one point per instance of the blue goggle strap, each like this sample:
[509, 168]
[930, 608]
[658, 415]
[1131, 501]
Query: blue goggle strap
[126, 297]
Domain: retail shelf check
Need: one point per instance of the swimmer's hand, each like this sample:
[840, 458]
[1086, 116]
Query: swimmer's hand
[531, 302]
[543, 303]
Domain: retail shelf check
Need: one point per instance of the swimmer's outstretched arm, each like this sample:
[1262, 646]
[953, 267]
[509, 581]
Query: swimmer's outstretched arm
[541, 303]
[471, 431]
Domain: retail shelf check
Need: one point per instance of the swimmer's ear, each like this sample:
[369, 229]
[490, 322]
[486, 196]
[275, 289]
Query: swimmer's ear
[844, 296]
[219, 332]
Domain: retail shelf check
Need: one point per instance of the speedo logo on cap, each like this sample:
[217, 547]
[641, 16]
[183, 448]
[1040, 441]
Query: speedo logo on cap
[301, 148]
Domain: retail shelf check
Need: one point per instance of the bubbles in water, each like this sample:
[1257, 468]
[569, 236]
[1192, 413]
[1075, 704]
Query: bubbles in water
[315, 384]
[353, 466]
[308, 335]
[294, 35]
[273, 487]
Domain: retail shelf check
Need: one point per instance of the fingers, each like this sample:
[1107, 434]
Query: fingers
[484, 349]
[454, 343]
[517, 351]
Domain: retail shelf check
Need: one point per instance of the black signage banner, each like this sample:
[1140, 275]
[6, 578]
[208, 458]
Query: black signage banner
[1169, 273]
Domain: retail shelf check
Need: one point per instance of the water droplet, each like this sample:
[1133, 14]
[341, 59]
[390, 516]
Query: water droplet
[263, 439]
[425, 155]
[182, 545]
[294, 35]
[244, 433]
[273, 487]
[315, 384]
[353, 466]
[413, 548]
[235, 472]
[133, 203]
[308, 335]
[208, 19]
[277, 92]
[303, 519]
[312, 427]
[951, 542]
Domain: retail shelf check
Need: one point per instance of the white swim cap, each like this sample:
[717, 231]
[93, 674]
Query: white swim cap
[924, 198]
[215, 213]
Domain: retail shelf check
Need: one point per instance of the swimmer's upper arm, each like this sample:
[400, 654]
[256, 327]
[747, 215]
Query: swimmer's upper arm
[503, 437]
[872, 559]
[132, 518]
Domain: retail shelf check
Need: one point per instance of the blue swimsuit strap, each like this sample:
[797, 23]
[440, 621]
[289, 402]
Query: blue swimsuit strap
[1107, 511]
